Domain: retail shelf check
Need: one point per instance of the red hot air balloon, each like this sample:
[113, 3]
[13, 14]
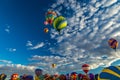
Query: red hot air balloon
[85, 68]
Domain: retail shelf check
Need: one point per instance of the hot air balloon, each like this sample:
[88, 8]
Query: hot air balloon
[85, 77]
[110, 73]
[60, 23]
[53, 65]
[73, 76]
[14, 76]
[113, 43]
[85, 68]
[46, 30]
[50, 16]
[62, 77]
[3, 76]
[38, 74]
[29, 77]
[97, 77]
[91, 76]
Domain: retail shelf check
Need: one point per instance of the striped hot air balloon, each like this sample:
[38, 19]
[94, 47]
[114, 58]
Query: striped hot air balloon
[85, 68]
[113, 43]
[60, 23]
[110, 73]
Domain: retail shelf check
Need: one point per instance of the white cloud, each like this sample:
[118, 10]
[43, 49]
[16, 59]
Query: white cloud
[39, 45]
[11, 49]
[109, 3]
[9, 69]
[29, 43]
[85, 38]
[5, 61]
[7, 29]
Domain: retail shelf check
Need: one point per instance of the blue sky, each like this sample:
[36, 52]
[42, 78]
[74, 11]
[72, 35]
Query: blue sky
[24, 46]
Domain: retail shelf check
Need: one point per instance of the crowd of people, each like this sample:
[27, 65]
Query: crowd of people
[40, 76]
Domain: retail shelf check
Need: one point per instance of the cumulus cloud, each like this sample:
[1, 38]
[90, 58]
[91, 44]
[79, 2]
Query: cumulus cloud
[9, 69]
[109, 3]
[84, 40]
[90, 26]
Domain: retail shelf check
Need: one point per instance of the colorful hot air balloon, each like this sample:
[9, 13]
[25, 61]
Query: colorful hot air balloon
[73, 76]
[3, 76]
[113, 43]
[39, 74]
[85, 77]
[29, 77]
[53, 65]
[46, 30]
[97, 77]
[60, 23]
[110, 73]
[91, 76]
[14, 76]
[85, 68]
[50, 16]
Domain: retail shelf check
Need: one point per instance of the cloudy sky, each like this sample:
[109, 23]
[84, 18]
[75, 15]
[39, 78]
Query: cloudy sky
[91, 23]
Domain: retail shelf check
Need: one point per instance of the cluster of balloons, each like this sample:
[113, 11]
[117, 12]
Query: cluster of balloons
[15, 76]
[58, 22]
[108, 73]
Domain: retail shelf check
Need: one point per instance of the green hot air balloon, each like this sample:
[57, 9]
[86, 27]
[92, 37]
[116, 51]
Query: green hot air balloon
[110, 73]
[60, 23]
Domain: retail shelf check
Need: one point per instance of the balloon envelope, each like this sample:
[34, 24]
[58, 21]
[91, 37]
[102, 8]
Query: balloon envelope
[113, 43]
[85, 68]
[110, 73]
[53, 65]
[46, 30]
[59, 23]
[50, 16]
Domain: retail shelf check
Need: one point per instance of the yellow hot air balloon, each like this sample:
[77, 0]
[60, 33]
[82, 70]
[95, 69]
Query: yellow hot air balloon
[53, 65]
[60, 23]
[46, 30]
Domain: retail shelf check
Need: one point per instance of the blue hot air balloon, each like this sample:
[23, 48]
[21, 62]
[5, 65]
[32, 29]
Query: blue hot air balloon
[110, 73]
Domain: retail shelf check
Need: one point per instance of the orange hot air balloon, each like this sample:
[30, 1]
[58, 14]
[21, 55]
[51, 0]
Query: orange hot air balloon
[113, 43]
[46, 30]
[85, 68]
[14, 76]
[53, 65]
